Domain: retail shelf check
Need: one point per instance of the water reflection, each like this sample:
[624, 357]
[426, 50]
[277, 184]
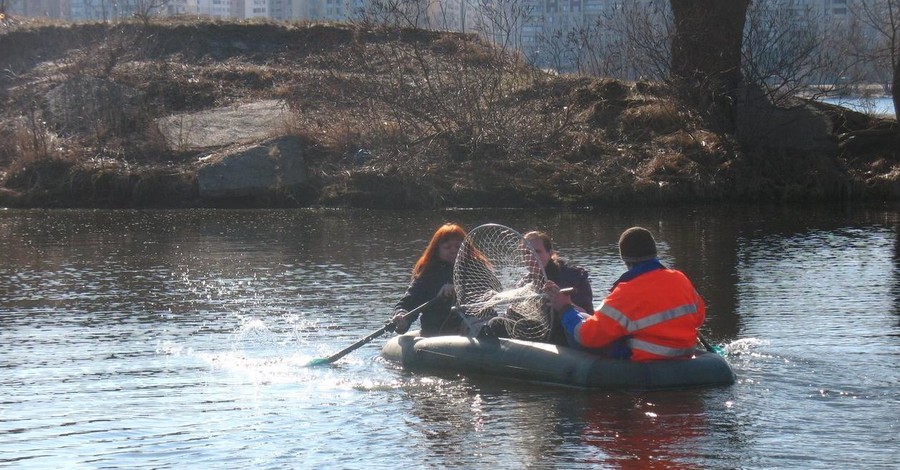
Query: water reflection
[465, 423]
[896, 270]
[642, 431]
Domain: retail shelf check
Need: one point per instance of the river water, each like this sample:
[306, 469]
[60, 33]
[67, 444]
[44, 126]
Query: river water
[179, 339]
[877, 106]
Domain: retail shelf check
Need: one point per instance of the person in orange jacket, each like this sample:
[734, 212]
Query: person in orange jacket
[651, 312]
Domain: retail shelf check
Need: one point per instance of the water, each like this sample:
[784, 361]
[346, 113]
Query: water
[173, 339]
[882, 106]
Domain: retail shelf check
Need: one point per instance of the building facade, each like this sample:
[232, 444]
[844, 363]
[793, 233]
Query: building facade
[181, 7]
[58, 9]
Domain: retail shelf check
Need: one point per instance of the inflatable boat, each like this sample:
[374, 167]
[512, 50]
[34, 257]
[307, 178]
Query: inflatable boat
[548, 363]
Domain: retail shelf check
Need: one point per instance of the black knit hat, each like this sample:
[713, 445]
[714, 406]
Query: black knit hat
[637, 244]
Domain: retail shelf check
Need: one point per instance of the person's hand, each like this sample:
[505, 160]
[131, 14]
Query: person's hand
[447, 291]
[399, 322]
[559, 301]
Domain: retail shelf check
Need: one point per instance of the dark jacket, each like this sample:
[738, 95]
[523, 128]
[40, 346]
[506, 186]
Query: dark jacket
[437, 319]
[569, 276]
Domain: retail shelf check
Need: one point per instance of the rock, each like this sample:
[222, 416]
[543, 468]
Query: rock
[224, 126]
[884, 141]
[798, 128]
[259, 171]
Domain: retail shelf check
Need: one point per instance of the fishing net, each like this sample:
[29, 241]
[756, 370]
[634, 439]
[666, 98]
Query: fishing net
[498, 280]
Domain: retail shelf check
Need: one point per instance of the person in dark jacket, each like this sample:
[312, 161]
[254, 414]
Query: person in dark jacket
[432, 276]
[565, 276]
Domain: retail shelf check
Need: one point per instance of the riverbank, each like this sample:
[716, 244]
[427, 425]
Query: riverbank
[157, 115]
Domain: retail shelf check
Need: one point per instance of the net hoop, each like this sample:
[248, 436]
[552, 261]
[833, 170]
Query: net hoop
[498, 279]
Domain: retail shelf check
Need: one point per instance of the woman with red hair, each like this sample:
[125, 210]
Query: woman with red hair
[432, 276]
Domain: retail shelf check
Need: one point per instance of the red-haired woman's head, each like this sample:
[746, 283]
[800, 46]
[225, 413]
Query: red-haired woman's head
[443, 246]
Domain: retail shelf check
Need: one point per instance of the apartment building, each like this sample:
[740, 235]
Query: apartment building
[456, 15]
[248, 9]
[444, 14]
[280, 10]
[99, 10]
[214, 8]
[59, 9]
[829, 8]
[103, 10]
[181, 7]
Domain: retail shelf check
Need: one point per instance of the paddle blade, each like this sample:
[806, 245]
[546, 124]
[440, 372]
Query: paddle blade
[713, 349]
[318, 362]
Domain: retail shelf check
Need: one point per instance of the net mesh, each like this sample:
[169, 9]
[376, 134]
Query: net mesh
[498, 279]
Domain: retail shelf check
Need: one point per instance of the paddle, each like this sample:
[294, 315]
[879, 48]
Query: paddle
[389, 326]
[709, 347]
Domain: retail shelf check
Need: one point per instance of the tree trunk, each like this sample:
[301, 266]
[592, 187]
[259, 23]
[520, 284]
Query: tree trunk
[706, 54]
[895, 89]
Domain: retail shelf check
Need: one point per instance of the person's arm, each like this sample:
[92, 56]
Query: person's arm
[572, 320]
[584, 296]
[591, 331]
[430, 284]
[561, 303]
[414, 296]
[577, 277]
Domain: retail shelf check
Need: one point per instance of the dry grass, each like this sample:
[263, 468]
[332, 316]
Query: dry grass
[442, 119]
[646, 120]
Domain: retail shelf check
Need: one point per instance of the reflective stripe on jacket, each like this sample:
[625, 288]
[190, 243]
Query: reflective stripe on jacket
[658, 312]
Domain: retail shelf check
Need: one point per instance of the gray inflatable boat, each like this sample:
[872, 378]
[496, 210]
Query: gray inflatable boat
[548, 363]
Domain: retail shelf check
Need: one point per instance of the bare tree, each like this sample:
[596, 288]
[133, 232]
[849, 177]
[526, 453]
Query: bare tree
[503, 21]
[641, 33]
[627, 40]
[398, 13]
[879, 41]
[449, 89]
[594, 55]
[787, 51]
[7, 5]
[144, 10]
[557, 50]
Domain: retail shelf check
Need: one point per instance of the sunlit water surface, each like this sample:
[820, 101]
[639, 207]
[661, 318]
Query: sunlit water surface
[880, 106]
[179, 339]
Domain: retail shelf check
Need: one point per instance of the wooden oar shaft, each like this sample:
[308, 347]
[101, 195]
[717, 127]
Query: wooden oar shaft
[705, 343]
[371, 336]
[356, 345]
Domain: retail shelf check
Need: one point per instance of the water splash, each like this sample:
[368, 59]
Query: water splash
[744, 346]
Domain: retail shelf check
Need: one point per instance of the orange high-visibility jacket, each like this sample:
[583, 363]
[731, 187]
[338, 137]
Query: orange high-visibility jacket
[658, 311]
